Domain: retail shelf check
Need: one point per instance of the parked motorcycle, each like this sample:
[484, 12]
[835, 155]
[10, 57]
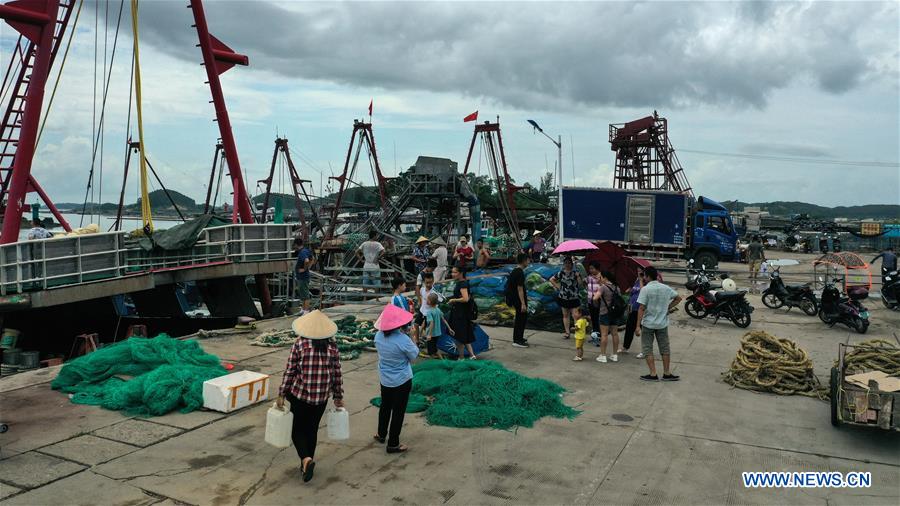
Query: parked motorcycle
[778, 295]
[890, 291]
[848, 310]
[705, 302]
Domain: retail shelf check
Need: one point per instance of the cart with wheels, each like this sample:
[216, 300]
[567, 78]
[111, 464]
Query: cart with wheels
[865, 406]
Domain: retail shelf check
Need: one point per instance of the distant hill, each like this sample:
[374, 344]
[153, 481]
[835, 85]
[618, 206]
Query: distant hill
[782, 208]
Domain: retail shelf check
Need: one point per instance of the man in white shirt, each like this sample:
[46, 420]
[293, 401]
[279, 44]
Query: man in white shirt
[38, 231]
[440, 254]
[371, 251]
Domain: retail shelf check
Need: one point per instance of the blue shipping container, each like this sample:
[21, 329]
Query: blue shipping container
[630, 216]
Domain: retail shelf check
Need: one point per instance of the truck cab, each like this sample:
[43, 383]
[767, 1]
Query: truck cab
[713, 235]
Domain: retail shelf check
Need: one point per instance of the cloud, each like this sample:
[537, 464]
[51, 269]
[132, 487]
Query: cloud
[559, 56]
[781, 148]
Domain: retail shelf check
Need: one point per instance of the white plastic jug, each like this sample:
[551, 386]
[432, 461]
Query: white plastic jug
[278, 426]
[338, 424]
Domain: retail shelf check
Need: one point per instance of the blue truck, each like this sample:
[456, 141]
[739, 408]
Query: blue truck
[650, 223]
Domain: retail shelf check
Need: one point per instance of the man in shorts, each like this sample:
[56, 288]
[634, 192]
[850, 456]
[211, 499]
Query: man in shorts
[655, 300]
[371, 252]
[755, 256]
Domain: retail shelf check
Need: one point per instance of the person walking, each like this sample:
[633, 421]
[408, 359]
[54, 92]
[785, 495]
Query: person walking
[756, 255]
[656, 299]
[305, 261]
[517, 298]
[568, 283]
[421, 253]
[312, 374]
[461, 314]
[888, 262]
[440, 255]
[371, 252]
[396, 351]
[633, 308]
[593, 295]
[606, 318]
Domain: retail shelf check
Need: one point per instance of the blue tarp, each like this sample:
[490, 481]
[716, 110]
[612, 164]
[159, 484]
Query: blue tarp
[448, 345]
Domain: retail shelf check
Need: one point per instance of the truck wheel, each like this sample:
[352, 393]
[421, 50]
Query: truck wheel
[706, 258]
[835, 396]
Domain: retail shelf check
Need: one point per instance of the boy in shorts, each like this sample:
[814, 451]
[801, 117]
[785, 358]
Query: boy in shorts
[581, 325]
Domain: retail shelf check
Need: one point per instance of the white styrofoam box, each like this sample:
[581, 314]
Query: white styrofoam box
[236, 390]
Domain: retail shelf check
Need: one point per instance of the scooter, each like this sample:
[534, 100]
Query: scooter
[847, 310]
[778, 294]
[704, 302]
[890, 291]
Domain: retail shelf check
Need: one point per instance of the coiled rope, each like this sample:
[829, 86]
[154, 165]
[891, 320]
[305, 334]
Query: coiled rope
[874, 355]
[766, 363]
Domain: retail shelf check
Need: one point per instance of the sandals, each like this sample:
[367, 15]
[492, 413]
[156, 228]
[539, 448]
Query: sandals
[397, 449]
[308, 473]
[378, 438]
[566, 335]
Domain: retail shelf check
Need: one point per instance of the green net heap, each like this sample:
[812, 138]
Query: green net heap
[482, 393]
[352, 337]
[141, 376]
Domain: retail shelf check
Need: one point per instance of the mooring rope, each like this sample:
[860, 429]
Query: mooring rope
[766, 363]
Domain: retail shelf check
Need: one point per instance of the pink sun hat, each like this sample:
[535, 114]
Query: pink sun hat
[393, 317]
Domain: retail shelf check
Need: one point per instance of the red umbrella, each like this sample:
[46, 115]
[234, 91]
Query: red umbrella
[614, 259]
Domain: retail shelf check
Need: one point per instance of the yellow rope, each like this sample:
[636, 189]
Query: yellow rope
[145, 197]
[59, 75]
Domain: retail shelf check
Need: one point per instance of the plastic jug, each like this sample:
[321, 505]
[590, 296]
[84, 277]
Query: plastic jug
[338, 424]
[278, 426]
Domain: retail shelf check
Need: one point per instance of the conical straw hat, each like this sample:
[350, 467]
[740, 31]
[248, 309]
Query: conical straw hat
[439, 241]
[315, 325]
[421, 238]
[392, 317]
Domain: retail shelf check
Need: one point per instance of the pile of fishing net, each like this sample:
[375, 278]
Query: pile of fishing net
[482, 393]
[766, 363]
[141, 376]
[873, 355]
[352, 337]
[351, 242]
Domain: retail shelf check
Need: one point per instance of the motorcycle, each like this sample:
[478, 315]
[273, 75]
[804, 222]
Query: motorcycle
[890, 291]
[847, 310]
[778, 295]
[704, 302]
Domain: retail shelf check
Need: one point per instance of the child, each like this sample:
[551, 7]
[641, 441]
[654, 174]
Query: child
[427, 287]
[399, 286]
[433, 320]
[581, 325]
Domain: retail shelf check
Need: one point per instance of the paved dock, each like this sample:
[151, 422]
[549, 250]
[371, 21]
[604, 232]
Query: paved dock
[634, 443]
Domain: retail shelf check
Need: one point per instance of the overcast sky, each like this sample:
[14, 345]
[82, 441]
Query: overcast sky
[818, 81]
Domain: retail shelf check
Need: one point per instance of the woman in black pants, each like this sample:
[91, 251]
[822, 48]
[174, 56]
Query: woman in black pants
[396, 350]
[313, 372]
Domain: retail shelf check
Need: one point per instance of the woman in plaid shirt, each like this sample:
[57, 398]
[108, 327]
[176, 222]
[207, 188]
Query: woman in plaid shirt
[313, 372]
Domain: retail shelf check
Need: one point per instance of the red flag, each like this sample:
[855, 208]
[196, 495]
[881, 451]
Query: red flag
[370, 106]
[471, 117]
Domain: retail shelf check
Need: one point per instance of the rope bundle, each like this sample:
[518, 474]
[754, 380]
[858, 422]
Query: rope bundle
[874, 355]
[766, 363]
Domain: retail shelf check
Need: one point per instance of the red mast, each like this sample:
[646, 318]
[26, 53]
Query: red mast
[217, 58]
[37, 21]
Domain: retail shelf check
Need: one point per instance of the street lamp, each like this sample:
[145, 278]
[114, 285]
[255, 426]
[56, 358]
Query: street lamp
[558, 143]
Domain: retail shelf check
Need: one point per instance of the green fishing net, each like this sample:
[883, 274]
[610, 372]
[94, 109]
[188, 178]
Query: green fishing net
[482, 393]
[143, 377]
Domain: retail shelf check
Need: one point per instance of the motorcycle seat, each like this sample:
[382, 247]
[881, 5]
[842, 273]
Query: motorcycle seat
[729, 295]
[798, 287]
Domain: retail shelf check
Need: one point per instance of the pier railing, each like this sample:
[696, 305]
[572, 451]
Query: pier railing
[41, 264]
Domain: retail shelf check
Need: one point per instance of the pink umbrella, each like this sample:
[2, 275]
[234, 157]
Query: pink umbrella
[574, 246]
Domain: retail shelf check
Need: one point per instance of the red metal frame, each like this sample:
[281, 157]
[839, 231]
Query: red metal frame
[368, 136]
[281, 146]
[218, 58]
[645, 158]
[43, 23]
[505, 186]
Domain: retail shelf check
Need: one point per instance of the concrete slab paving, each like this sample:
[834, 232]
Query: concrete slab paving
[87, 489]
[138, 432]
[33, 469]
[8, 490]
[188, 421]
[34, 415]
[667, 469]
[88, 449]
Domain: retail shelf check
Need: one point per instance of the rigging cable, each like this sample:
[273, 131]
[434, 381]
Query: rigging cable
[146, 215]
